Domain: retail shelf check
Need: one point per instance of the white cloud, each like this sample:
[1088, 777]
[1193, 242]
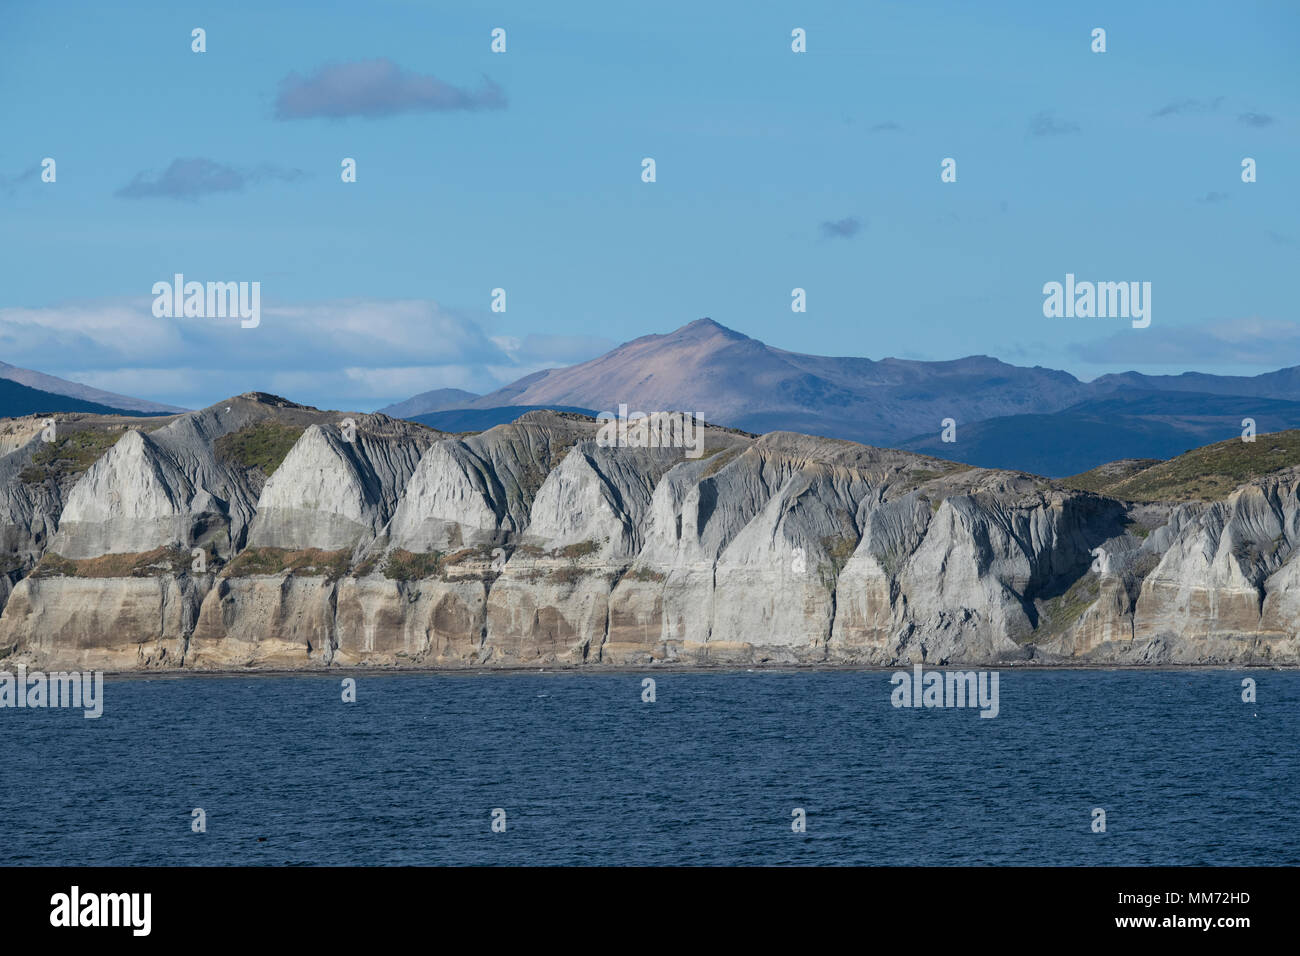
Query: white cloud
[1269, 343]
[145, 382]
[355, 353]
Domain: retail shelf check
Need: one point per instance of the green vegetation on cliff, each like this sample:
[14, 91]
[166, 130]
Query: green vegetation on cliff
[308, 561]
[1201, 474]
[147, 564]
[70, 454]
[263, 445]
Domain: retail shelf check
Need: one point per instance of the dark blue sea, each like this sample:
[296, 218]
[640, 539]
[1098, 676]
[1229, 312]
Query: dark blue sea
[709, 773]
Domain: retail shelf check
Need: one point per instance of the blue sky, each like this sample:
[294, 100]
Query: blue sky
[1122, 166]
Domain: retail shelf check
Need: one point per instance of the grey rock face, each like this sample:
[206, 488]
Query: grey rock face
[480, 490]
[133, 499]
[103, 623]
[535, 544]
[332, 493]
[29, 511]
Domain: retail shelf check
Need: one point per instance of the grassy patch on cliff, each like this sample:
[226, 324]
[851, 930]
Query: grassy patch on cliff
[1203, 474]
[1108, 475]
[71, 453]
[922, 475]
[719, 459]
[919, 476]
[575, 551]
[571, 552]
[263, 445]
[411, 566]
[1058, 613]
[146, 564]
[311, 562]
[838, 550]
[401, 565]
[647, 575]
[567, 576]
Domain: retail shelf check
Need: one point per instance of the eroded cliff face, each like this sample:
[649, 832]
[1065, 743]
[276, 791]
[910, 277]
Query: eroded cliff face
[379, 542]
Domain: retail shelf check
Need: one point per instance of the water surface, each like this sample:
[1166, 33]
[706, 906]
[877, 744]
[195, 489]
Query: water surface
[707, 774]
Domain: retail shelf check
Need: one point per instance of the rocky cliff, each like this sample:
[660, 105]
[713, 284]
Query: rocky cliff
[259, 533]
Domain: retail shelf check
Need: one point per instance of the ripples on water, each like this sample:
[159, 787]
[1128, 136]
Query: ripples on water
[707, 774]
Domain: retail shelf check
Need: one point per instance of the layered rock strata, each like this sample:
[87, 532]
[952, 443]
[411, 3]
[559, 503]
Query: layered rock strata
[367, 541]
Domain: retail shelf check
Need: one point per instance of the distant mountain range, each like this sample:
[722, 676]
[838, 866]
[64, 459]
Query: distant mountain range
[456, 420]
[1284, 383]
[434, 401]
[18, 400]
[1130, 423]
[731, 379]
[1036, 419]
[25, 392]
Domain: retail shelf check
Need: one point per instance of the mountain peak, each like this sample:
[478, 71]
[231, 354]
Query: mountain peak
[266, 398]
[705, 327]
[728, 378]
[731, 379]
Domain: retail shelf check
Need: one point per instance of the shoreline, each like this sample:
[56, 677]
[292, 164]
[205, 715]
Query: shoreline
[646, 669]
